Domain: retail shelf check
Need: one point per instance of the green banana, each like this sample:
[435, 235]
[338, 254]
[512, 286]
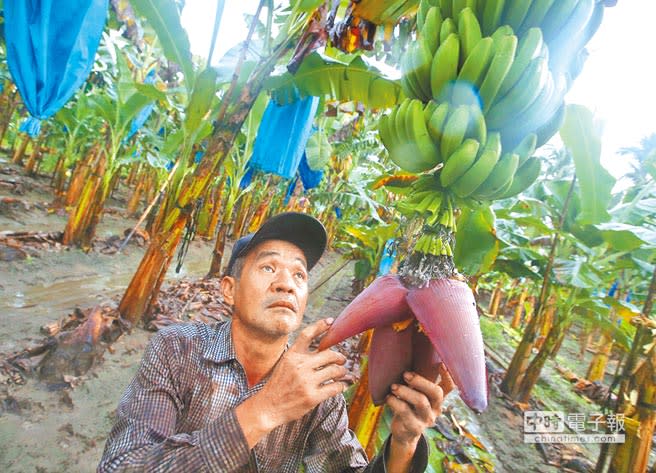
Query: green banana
[469, 31]
[383, 131]
[449, 27]
[570, 37]
[422, 12]
[429, 108]
[410, 89]
[492, 13]
[444, 67]
[459, 161]
[499, 179]
[457, 6]
[515, 11]
[503, 30]
[481, 169]
[477, 126]
[556, 17]
[437, 122]
[477, 63]
[525, 149]
[422, 69]
[428, 155]
[529, 47]
[535, 15]
[454, 131]
[430, 33]
[534, 115]
[551, 127]
[529, 86]
[526, 175]
[445, 6]
[505, 47]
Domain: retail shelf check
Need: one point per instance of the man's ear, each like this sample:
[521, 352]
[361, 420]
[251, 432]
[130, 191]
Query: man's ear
[228, 289]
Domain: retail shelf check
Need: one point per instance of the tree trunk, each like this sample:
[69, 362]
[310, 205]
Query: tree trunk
[629, 380]
[535, 367]
[80, 174]
[517, 316]
[144, 286]
[547, 323]
[597, 368]
[83, 219]
[516, 368]
[135, 198]
[217, 253]
[35, 156]
[8, 113]
[559, 342]
[19, 152]
[216, 211]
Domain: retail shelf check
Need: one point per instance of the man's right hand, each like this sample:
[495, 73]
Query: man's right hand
[301, 380]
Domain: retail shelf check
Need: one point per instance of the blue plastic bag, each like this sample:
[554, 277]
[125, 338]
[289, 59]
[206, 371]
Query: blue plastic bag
[51, 48]
[282, 136]
[309, 177]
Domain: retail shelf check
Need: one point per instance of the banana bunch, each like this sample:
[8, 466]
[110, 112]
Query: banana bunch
[419, 137]
[494, 174]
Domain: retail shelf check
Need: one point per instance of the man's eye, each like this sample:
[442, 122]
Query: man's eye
[267, 268]
[300, 275]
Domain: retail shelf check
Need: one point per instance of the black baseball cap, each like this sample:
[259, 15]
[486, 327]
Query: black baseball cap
[300, 229]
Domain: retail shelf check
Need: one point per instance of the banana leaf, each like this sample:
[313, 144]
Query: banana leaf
[163, 16]
[476, 243]
[583, 139]
[322, 76]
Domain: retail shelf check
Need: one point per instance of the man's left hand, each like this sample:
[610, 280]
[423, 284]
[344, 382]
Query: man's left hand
[415, 407]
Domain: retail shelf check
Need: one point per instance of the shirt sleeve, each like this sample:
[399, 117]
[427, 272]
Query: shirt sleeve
[143, 437]
[333, 448]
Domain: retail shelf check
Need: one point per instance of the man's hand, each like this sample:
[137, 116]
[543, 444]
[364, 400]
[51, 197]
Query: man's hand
[415, 407]
[301, 380]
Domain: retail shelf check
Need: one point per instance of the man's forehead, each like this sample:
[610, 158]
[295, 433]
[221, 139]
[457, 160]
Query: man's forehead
[279, 248]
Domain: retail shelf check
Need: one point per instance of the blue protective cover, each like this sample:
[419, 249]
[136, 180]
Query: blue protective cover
[388, 257]
[51, 48]
[309, 177]
[282, 136]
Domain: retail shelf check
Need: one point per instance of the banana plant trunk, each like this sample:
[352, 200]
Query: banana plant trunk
[19, 152]
[80, 174]
[35, 156]
[8, 112]
[82, 221]
[535, 367]
[520, 360]
[135, 198]
[517, 316]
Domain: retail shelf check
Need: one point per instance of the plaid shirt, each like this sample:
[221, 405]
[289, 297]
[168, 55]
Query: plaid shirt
[178, 414]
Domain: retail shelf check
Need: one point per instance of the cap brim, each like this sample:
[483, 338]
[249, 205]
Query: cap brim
[302, 230]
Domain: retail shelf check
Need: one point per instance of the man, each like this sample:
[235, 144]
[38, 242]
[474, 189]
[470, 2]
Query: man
[236, 397]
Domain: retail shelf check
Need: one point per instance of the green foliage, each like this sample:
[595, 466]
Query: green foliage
[476, 243]
[163, 16]
[322, 76]
[583, 139]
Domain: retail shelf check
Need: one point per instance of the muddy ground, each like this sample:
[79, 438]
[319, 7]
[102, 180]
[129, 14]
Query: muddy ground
[54, 429]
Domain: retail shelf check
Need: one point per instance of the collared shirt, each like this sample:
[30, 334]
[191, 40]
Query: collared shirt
[178, 414]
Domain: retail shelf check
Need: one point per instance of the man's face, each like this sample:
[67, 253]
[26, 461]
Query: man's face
[271, 294]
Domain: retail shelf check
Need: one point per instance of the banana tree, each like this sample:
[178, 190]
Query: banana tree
[234, 168]
[76, 122]
[116, 104]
